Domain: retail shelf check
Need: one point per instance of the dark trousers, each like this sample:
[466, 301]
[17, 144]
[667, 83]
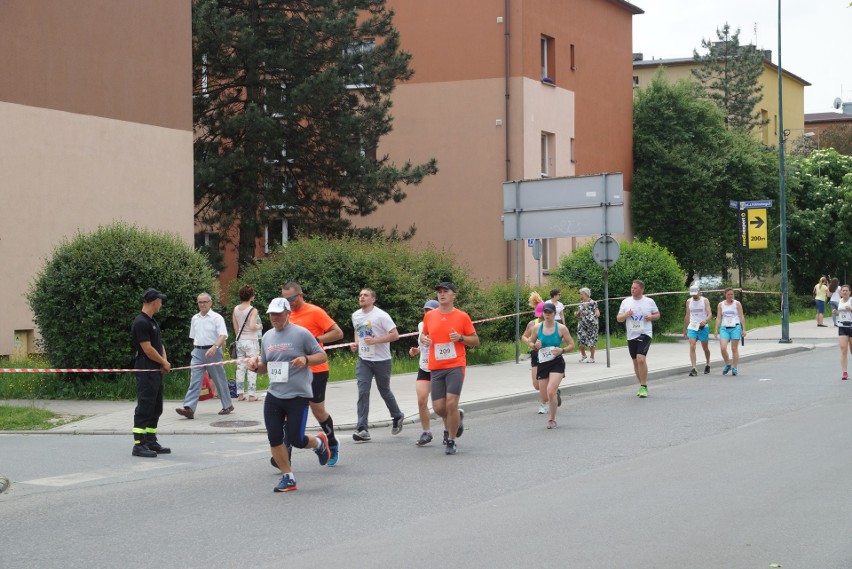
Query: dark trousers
[149, 401]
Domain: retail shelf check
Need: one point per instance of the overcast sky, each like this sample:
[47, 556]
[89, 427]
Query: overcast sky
[816, 37]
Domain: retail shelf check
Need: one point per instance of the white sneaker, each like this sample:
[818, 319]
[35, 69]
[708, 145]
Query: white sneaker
[582, 360]
[590, 361]
[542, 408]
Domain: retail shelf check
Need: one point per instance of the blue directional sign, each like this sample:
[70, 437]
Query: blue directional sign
[756, 204]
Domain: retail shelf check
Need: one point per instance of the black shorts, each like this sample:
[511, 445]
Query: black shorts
[844, 331]
[318, 386]
[556, 365]
[534, 358]
[285, 416]
[639, 345]
[423, 375]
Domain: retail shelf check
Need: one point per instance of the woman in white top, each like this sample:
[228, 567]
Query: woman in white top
[729, 316]
[834, 289]
[844, 327]
[246, 326]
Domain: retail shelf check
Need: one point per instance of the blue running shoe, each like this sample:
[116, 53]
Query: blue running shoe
[287, 484]
[322, 450]
[733, 371]
[451, 447]
[335, 454]
[726, 369]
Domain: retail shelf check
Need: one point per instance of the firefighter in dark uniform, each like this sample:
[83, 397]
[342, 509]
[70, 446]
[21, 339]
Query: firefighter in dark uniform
[150, 355]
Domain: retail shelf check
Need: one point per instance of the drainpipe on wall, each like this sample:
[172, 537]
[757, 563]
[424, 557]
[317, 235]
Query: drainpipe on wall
[506, 124]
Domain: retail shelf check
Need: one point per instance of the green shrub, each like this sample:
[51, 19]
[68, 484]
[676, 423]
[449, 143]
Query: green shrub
[643, 260]
[333, 272]
[90, 289]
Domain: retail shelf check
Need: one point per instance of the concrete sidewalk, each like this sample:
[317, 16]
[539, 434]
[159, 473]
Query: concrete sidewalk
[485, 387]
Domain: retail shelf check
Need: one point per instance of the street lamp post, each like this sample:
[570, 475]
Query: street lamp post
[785, 298]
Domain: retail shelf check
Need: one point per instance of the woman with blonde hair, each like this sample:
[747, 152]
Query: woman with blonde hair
[820, 297]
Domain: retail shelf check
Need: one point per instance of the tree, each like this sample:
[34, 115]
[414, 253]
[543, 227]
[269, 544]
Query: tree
[819, 217]
[729, 73]
[838, 136]
[687, 168]
[290, 101]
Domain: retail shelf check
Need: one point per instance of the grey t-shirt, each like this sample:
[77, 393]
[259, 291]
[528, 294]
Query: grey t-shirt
[277, 350]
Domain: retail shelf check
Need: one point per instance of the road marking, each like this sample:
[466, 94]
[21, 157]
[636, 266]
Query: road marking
[91, 476]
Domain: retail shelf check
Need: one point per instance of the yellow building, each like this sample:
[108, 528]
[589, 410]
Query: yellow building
[793, 85]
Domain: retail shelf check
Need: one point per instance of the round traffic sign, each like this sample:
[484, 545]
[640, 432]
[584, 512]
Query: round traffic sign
[606, 251]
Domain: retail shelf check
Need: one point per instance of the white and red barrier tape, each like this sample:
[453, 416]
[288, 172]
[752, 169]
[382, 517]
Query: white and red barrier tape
[332, 347]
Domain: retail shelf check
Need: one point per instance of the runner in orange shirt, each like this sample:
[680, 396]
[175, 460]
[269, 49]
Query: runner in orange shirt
[324, 329]
[446, 333]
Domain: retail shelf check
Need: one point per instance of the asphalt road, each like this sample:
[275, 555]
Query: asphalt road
[708, 472]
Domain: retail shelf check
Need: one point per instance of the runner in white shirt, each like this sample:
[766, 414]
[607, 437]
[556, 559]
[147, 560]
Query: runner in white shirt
[695, 327]
[638, 311]
[844, 327]
[729, 316]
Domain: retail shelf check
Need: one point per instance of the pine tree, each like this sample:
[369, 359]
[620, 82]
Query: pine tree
[730, 73]
[290, 101]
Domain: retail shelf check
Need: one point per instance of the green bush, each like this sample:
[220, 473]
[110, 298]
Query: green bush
[500, 300]
[90, 289]
[643, 260]
[333, 272]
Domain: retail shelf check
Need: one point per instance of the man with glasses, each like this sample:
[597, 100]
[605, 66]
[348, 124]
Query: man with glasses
[322, 327]
[209, 334]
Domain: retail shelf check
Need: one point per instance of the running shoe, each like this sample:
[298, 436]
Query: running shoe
[551, 424]
[845, 376]
[733, 371]
[361, 435]
[397, 425]
[706, 370]
[322, 450]
[558, 397]
[460, 430]
[424, 439]
[335, 454]
[693, 373]
[287, 484]
[446, 437]
[590, 360]
[726, 369]
[643, 391]
[582, 359]
[451, 447]
[542, 408]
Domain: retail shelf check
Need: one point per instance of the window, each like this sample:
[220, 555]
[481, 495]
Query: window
[547, 153]
[359, 53]
[277, 232]
[548, 60]
[545, 255]
[635, 81]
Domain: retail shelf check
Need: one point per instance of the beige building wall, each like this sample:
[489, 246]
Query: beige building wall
[97, 127]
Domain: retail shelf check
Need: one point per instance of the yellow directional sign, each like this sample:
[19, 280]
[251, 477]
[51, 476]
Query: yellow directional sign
[757, 228]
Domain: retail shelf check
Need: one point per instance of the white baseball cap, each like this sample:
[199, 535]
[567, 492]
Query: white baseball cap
[278, 305]
[694, 289]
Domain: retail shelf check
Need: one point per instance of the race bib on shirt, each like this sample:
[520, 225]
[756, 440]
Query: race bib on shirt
[278, 372]
[635, 325]
[445, 351]
[545, 355]
[424, 359]
[695, 325]
[366, 350]
[729, 322]
[844, 317]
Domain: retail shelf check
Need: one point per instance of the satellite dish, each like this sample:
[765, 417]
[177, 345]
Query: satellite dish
[837, 103]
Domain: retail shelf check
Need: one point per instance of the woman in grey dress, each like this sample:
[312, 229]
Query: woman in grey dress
[587, 314]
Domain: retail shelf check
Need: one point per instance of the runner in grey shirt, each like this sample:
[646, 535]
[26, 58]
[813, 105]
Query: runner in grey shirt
[286, 354]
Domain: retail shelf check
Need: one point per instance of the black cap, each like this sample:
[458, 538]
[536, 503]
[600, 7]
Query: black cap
[548, 307]
[152, 294]
[447, 285]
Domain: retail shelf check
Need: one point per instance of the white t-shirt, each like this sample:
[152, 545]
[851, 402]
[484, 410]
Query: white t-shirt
[844, 313]
[560, 308]
[835, 296]
[375, 323]
[636, 324]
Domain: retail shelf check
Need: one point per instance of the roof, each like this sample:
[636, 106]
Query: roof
[813, 118]
[691, 61]
[630, 7]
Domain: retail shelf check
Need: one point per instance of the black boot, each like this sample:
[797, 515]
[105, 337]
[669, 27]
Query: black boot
[155, 446]
[140, 449]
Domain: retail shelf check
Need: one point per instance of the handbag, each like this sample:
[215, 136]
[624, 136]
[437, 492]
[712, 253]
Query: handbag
[206, 389]
[232, 349]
